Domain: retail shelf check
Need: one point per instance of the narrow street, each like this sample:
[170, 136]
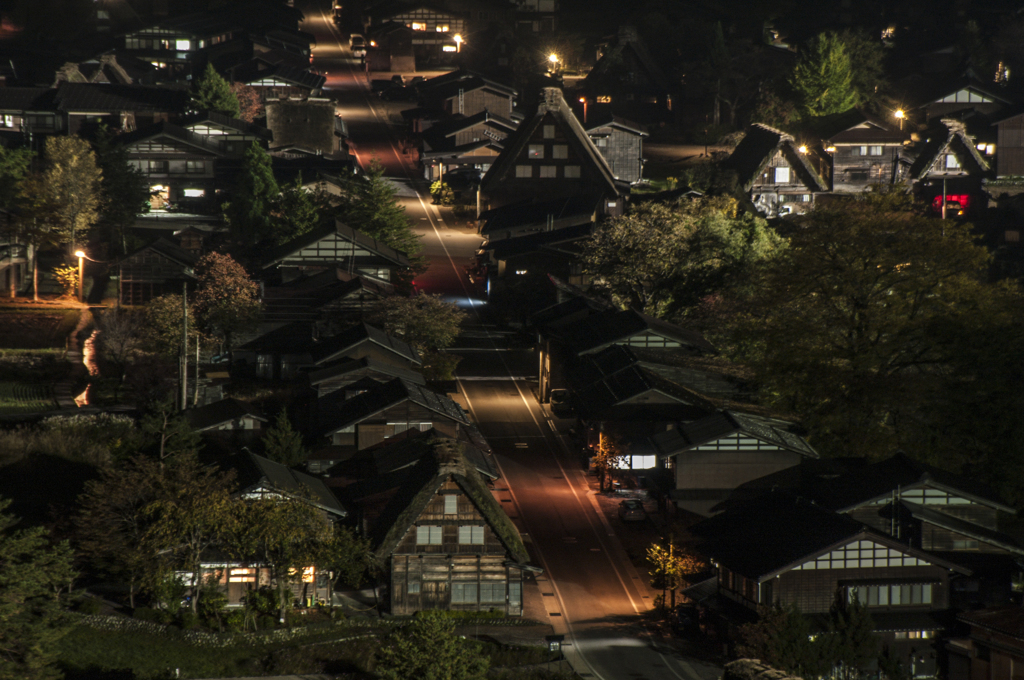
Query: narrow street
[591, 592]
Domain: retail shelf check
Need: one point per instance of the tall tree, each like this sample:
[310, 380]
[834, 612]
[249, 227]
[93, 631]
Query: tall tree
[34, 572]
[428, 648]
[296, 212]
[609, 455]
[375, 211]
[867, 64]
[282, 443]
[823, 78]
[36, 224]
[73, 184]
[227, 301]
[213, 93]
[662, 257]
[851, 644]
[250, 104]
[161, 331]
[781, 638]
[249, 211]
[119, 339]
[190, 514]
[125, 191]
[170, 435]
[112, 525]
[850, 327]
[429, 324]
[14, 169]
[670, 565]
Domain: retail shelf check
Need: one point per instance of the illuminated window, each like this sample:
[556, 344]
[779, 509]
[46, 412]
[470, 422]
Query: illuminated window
[951, 162]
[451, 504]
[308, 574]
[560, 151]
[549, 132]
[601, 142]
[418, 26]
[781, 176]
[891, 595]
[449, 48]
[442, 29]
[182, 45]
[572, 171]
[524, 171]
[471, 535]
[642, 462]
[548, 171]
[521, 272]
[536, 150]
[8, 120]
[414, 587]
[428, 535]
[242, 575]
[604, 99]
[194, 193]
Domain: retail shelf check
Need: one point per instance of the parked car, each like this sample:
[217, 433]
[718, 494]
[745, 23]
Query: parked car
[560, 406]
[632, 511]
[398, 80]
[358, 45]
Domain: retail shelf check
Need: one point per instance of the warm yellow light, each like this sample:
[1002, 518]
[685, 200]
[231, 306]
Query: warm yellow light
[899, 113]
[458, 38]
[583, 100]
[553, 58]
[803, 149]
[79, 253]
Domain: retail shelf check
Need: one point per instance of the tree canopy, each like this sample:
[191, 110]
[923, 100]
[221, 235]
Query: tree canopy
[249, 212]
[823, 78]
[72, 182]
[282, 443]
[213, 93]
[428, 323]
[227, 300]
[373, 209]
[124, 191]
[428, 648]
[661, 257]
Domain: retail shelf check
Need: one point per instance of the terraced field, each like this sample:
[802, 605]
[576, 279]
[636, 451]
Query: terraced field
[16, 398]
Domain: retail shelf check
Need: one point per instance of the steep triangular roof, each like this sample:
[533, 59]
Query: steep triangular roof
[257, 474]
[950, 136]
[552, 106]
[179, 135]
[328, 232]
[441, 460]
[337, 346]
[172, 251]
[688, 436]
[602, 329]
[759, 146]
[220, 412]
[340, 413]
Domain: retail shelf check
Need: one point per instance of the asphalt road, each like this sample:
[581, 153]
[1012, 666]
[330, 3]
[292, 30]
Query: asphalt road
[591, 592]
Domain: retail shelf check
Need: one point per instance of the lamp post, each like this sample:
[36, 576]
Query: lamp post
[900, 115]
[80, 254]
[458, 43]
[553, 59]
[583, 100]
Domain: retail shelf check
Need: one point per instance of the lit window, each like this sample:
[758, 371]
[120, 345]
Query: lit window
[642, 462]
[182, 45]
[524, 171]
[308, 574]
[442, 29]
[194, 193]
[560, 151]
[492, 592]
[449, 48]
[601, 142]
[521, 272]
[418, 27]
[451, 504]
[548, 171]
[428, 535]
[572, 171]
[951, 162]
[549, 132]
[471, 535]
[781, 175]
[8, 120]
[604, 99]
[414, 587]
[536, 150]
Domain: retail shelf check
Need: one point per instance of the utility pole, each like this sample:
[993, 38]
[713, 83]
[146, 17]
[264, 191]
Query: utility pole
[183, 361]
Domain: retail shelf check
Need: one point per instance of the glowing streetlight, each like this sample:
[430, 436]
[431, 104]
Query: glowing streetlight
[458, 42]
[803, 148]
[80, 254]
[583, 100]
[900, 115]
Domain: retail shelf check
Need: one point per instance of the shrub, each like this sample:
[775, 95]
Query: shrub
[150, 614]
[67, 279]
[442, 193]
[266, 622]
[88, 605]
[235, 621]
[188, 619]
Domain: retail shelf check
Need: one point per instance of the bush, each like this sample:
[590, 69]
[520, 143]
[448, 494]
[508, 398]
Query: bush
[88, 605]
[442, 193]
[235, 621]
[188, 619]
[150, 614]
[67, 279]
[266, 622]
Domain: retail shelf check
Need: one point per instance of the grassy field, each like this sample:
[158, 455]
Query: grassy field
[36, 328]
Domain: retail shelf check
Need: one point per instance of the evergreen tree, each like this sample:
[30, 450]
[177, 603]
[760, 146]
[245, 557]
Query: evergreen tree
[850, 645]
[374, 210]
[781, 638]
[72, 182]
[213, 93]
[32, 573]
[125, 191]
[428, 648]
[295, 213]
[282, 443]
[249, 211]
[823, 79]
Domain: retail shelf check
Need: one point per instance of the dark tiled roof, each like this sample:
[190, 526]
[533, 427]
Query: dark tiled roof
[251, 72]
[341, 369]
[27, 99]
[572, 210]
[405, 449]
[170, 250]
[597, 331]
[859, 127]
[1005, 620]
[563, 240]
[952, 136]
[336, 346]
[724, 423]
[554, 316]
[292, 338]
[338, 413]
[220, 412]
[779, 531]
[442, 85]
[221, 120]
[603, 117]
[378, 248]
[176, 133]
[254, 471]
[961, 526]
[87, 97]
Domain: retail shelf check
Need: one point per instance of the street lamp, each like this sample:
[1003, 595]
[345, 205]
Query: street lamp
[458, 42]
[553, 58]
[80, 254]
[583, 100]
[803, 148]
[900, 115]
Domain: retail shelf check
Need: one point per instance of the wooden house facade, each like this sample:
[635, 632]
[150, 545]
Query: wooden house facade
[621, 144]
[993, 647]
[447, 541]
[949, 170]
[338, 247]
[468, 94]
[433, 30]
[158, 269]
[232, 136]
[178, 164]
[1010, 146]
[774, 172]
[866, 152]
[550, 156]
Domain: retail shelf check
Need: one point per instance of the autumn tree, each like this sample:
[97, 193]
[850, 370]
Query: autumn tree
[120, 338]
[856, 324]
[227, 300]
[282, 443]
[36, 223]
[428, 648]
[823, 78]
[608, 456]
[72, 182]
[113, 524]
[428, 323]
[190, 514]
[124, 189]
[162, 322]
[169, 433]
[661, 257]
[35, 573]
[374, 210]
[670, 565]
[249, 211]
[250, 103]
[213, 93]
